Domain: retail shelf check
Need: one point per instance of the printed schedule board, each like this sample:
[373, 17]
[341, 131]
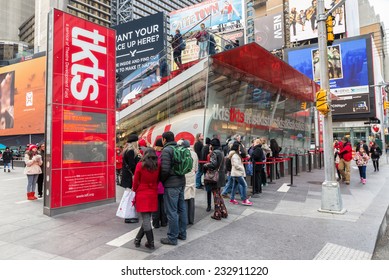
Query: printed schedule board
[80, 116]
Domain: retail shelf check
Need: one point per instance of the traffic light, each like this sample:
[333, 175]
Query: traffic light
[303, 105]
[330, 29]
[321, 102]
[386, 105]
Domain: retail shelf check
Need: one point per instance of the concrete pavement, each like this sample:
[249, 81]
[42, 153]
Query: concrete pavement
[283, 224]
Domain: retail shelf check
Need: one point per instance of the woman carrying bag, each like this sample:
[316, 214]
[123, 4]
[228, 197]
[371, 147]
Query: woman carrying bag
[146, 179]
[375, 153]
[216, 164]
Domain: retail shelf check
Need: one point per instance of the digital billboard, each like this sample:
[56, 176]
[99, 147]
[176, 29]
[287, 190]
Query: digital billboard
[22, 97]
[138, 42]
[80, 120]
[349, 70]
[303, 19]
[214, 12]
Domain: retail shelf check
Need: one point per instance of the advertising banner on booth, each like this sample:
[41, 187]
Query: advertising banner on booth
[80, 121]
[216, 12]
[303, 19]
[349, 70]
[138, 42]
[269, 31]
[22, 97]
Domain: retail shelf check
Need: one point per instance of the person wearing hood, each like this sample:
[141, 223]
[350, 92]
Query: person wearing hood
[190, 189]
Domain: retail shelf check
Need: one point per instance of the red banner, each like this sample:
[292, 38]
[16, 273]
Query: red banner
[81, 112]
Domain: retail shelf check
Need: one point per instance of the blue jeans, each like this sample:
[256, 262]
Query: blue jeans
[228, 186]
[203, 49]
[31, 182]
[8, 164]
[241, 182]
[176, 213]
[199, 173]
[362, 171]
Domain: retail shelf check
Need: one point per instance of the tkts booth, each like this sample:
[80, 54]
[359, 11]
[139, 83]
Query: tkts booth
[245, 90]
[80, 116]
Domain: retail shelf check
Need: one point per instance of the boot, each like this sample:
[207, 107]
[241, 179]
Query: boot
[29, 196]
[209, 196]
[33, 197]
[139, 237]
[150, 240]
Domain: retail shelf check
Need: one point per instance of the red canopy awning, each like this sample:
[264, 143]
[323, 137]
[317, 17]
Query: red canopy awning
[257, 66]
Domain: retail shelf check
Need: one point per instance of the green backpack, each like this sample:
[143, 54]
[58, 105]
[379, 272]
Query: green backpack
[182, 160]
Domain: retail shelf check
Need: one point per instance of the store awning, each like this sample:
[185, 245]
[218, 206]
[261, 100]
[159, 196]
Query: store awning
[257, 66]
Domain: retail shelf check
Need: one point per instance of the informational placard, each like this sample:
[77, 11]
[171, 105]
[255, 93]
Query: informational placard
[80, 120]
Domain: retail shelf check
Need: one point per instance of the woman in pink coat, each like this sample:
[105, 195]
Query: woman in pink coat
[146, 178]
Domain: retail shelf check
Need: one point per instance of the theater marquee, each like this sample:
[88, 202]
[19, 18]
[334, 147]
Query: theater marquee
[80, 117]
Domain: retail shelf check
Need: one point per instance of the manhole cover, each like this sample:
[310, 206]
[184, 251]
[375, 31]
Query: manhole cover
[315, 182]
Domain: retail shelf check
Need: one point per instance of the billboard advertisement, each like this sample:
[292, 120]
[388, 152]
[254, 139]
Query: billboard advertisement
[216, 12]
[269, 31]
[349, 70]
[22, 97]
[303, 19]
[80, 120]
[138, 42]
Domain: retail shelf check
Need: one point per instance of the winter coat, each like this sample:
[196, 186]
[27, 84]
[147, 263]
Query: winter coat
[168, 178]
[361, 159]
[7, 156]
[237, 165]
[161, 188]
[190, 187]
[258, 156]
[33, 165]
[346, 152]
[216, 162]
[128, 169]
[145, 188]
[375, 152]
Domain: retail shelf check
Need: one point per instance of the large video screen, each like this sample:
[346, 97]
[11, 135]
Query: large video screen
[22, 97]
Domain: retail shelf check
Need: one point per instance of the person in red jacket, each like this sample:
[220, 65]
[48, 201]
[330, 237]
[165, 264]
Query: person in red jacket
[146, 178]
[345, 154]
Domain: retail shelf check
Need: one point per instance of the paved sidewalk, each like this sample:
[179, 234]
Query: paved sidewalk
[283, 224]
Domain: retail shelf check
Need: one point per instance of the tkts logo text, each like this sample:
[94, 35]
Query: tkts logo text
[227, 114]
[84, 63]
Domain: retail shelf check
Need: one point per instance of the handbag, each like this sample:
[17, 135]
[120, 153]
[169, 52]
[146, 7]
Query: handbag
[126, 209]
[211, 176]
[249, 169]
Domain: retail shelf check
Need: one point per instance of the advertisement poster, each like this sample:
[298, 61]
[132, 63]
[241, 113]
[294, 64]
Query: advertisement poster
[269, 31]
[80, 131]
[22, 98]
[349, 62]
[138, 42]
[303, 19]
[214, 12]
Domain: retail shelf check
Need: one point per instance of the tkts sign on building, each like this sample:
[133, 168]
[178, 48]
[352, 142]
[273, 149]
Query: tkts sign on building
[80, 118]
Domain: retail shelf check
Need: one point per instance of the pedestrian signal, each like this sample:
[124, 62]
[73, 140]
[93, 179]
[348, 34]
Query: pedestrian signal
[321, 102]
[303, 105]
[330, 30]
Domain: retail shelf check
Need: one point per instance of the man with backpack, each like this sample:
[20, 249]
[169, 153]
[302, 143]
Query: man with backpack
[174, 164]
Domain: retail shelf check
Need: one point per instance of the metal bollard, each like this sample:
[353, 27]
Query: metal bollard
[319, 160]
[282, 168]
[297, 164]
[309, 162]
[291, 172]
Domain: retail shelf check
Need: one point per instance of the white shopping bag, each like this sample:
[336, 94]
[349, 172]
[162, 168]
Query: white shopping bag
[126, 208]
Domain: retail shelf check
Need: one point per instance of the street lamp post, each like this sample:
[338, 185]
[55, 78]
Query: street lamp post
[331, 200]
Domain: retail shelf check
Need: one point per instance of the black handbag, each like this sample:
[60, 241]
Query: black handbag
[211, 176]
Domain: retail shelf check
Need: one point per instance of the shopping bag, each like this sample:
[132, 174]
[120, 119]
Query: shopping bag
[249, 169]
[126, 208]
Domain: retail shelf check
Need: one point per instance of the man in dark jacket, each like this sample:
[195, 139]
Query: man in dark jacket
[174, 193]
[198, 146]
[7, 157]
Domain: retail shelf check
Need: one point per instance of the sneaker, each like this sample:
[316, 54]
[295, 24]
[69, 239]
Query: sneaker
[247, 202]
[361, 180]
[364, 181]
[234, 201]
[167, 241]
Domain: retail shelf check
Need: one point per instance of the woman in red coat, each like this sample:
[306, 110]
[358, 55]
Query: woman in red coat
[146, 178]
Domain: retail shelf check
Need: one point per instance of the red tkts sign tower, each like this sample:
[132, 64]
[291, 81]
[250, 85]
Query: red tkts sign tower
[80, 117]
